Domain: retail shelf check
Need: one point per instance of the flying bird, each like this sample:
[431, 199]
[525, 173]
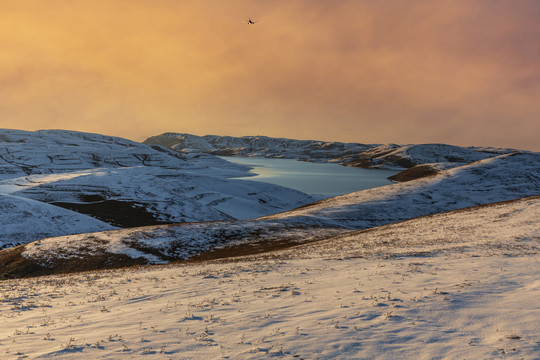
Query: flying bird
[251, 22]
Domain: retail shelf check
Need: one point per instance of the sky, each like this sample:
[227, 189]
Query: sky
[459, 72]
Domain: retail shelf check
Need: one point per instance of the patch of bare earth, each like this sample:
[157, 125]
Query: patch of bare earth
[14, 265]
[117, 213]
[416, 172]
[234, 251]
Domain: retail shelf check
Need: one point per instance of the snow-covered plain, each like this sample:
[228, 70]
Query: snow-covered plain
[455, 285]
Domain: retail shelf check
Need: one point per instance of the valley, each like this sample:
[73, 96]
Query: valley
[116, 249]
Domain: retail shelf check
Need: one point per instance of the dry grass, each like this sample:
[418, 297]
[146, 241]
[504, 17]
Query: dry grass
[14, 265]
[414, 173]
[117, 213]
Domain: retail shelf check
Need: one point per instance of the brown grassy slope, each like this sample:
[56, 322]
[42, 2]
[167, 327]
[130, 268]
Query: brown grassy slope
[14, 265]
[416, 172]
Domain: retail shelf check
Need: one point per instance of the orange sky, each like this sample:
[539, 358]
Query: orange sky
[459, 71]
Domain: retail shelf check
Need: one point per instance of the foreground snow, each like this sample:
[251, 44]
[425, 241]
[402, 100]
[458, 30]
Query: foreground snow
[455, 285]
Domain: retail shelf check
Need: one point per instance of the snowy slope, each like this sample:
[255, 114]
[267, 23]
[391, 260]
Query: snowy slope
[441, 155]
[59, 151]
[502, 178]
[348, 154]
[24, 220]
[167, 195]
[449, 286]
[508, 227]
[122, 183]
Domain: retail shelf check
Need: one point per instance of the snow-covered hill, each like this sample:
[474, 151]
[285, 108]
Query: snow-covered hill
[448, 286]
[349, 154]
[121, 182]
[414, 278]
[502, 178]
[442, 156]
[60, 151]
[24, 220]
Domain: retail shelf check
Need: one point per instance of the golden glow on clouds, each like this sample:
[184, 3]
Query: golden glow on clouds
[460, 72]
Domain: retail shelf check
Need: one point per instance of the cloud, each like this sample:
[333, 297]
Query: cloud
[387, 71]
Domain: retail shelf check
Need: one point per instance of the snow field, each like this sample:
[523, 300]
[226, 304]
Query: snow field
[465, 290]
[425, 308]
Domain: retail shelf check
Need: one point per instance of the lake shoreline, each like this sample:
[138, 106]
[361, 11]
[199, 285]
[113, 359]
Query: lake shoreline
[315, 178]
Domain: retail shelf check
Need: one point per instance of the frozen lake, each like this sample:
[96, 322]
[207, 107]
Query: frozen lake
[313, 178]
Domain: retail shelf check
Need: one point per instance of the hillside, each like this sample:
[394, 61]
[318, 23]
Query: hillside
[256, 146]
[119, 182]
[25, 220]
[502, 178]
[453, 285]
[442, 156]
[443, 266]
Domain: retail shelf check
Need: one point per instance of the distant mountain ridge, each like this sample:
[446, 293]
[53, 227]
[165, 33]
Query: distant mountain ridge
[442, 156]
[257, 146]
